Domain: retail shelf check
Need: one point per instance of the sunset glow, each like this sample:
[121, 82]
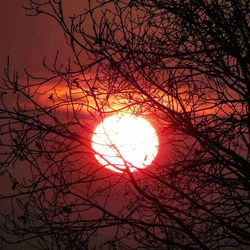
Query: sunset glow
[125, 141]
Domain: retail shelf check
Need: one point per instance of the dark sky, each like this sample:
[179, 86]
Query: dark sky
[27, 39]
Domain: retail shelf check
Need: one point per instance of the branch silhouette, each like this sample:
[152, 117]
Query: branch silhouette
[184, 65]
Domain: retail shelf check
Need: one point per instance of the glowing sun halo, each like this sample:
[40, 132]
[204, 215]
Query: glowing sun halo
[125, 140]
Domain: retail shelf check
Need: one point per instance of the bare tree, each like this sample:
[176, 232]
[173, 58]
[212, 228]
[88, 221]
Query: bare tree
[182, 64]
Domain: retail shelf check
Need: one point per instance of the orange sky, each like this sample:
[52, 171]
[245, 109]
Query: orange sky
[29, 39]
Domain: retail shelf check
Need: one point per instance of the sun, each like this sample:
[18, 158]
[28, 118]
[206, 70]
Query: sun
[125, 141]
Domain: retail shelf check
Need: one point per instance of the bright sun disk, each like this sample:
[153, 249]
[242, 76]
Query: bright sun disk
[125, 140]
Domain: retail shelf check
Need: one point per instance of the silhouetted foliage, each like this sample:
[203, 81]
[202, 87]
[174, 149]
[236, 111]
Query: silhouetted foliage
[184, 65]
